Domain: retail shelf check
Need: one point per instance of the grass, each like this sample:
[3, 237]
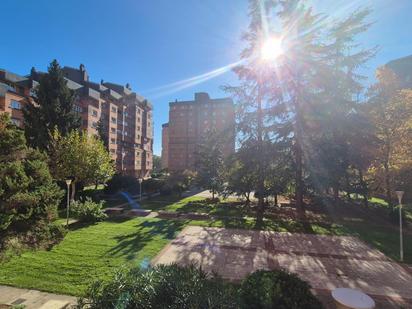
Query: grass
[89, 253]
[95, 251]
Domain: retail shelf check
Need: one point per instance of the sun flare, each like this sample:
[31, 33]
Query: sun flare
[271, 49]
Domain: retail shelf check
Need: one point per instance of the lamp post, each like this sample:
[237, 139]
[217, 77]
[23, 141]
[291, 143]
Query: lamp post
[140, 191]
[400, 195]
[68, 182]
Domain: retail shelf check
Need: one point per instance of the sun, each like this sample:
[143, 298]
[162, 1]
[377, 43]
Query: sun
[271, 49]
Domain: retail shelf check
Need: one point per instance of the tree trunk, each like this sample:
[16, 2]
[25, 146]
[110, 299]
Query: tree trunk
[73, 193]
[336, 192]
[276, 199]
[213, 194]
[299, 168]
[260, 185]
[387, 176]
[364, 189]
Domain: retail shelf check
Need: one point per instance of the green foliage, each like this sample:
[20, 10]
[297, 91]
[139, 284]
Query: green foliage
[88, 211]
[172, 286]
[122, 183]
[157, 164]
[276, 289]
[27, 192]
[209, 161]
[152, 185]
[52, 109]
[81, 158]
[179, 181]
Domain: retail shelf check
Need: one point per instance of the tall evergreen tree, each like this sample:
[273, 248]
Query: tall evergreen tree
[278, 98]
[52, 109]
[209, 161]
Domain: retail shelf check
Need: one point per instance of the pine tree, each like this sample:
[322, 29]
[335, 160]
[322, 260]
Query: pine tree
[277, 100]
[52, 109]
[209, 161]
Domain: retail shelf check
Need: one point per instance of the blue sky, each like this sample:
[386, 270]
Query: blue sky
[154, 43]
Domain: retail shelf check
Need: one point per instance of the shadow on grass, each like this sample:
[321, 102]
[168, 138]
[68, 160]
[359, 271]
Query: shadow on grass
[129, 245]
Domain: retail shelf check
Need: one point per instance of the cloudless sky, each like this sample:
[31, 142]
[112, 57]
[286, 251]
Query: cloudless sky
[154, 43]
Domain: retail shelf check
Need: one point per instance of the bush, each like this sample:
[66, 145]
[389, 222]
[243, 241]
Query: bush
[163, 286]
[122, 183]
[172, 286]
[276, 289]
[88, 211]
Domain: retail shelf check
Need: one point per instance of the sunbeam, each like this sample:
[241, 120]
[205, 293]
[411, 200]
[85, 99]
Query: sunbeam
[160, 91]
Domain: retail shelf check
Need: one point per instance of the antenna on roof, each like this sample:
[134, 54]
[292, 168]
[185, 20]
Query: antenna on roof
[102, 81]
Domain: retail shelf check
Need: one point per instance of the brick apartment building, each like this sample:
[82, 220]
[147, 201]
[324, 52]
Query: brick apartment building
[126, 116]
[189, 121]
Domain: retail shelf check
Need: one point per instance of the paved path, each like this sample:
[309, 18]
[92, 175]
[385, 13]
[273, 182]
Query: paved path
[326, 262]
[33, 299]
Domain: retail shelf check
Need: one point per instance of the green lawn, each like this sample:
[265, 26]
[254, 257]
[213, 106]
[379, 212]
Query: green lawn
[95, 251]
[88, 253]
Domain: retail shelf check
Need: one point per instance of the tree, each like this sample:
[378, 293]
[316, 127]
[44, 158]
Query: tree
[209, 161]
[180, 181]
[277, 100]
[53, 108]
[390, 110]
[102, 133]
[157, 164]
[28, 194]
[81, 158]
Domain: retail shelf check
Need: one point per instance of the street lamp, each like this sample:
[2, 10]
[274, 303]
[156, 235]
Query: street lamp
[140, 184]
[400, 195]
[68, 182]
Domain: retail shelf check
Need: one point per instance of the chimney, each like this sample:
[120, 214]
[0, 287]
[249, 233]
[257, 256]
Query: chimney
[83, 72]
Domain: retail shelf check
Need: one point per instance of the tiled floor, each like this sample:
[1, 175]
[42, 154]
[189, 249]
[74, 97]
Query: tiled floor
[326, 262]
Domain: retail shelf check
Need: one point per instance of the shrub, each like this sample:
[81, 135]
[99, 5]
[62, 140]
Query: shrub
[88, 211]
[276, 289]
[122, 182]
[172, 286]
[163, 286]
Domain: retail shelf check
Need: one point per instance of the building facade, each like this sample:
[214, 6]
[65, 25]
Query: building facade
[125, 116]
[189, 122]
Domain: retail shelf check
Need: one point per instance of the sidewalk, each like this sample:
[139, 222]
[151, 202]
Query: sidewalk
[33, 299]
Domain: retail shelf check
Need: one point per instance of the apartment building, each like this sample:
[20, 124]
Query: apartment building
[126, 117]
[189, 122]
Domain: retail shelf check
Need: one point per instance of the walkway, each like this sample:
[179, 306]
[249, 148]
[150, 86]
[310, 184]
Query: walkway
[326, 262]
[33, 299]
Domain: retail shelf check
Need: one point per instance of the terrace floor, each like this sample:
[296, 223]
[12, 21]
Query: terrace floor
[326, 262]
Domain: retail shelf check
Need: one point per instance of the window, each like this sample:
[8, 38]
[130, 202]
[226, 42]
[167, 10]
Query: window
[15, 121]
[94, 124]
[126, 114]
[125, 124]
[77, 109]
[138, 119]
[113, 120]
[112, 151]
[15, 104]
[125, 133]
[138, 128]
[113, 140]
[94, 112]
[114, 110]
[113, 130]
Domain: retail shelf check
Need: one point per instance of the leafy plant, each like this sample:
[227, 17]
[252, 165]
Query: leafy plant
[163, 286]
[276, 289]
[88, 211]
